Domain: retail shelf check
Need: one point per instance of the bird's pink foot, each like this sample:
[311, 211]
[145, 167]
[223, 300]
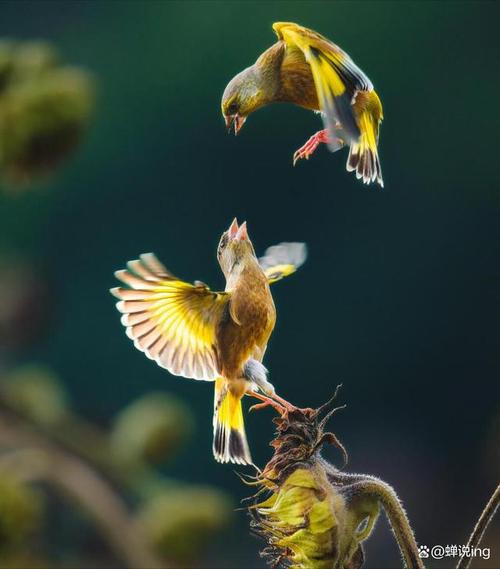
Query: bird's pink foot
[290, 407]
[280, 405]
[321, 137]
[266, 402]
[259, 406]
[287, 405]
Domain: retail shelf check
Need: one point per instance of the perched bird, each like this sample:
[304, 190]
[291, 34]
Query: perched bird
[215, 336]
[307, 69]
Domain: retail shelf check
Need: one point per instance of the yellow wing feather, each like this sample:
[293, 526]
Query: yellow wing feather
[363, 154]
[171, 321]
[282, 260]
[336, 78]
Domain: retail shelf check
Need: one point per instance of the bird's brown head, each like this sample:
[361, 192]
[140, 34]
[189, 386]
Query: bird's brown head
[243, 95]
[235, 248]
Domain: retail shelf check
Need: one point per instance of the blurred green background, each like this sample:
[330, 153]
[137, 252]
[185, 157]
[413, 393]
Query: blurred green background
[399, 297]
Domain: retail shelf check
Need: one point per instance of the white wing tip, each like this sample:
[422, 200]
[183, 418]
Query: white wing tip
[115, 291]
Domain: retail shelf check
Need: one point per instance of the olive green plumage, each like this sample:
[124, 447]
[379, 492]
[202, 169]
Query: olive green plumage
[308, 70]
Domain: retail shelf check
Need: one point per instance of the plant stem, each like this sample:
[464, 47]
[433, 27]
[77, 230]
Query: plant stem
[395, 513]
[480, 527]
[37, 457]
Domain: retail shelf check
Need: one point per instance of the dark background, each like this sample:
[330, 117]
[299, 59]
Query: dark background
[399, 296]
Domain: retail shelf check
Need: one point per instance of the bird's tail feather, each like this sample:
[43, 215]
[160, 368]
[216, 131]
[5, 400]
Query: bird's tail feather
[230, 441]
[363, 154]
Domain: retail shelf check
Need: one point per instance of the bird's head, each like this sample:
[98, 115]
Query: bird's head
[235, 248]
[242, 96]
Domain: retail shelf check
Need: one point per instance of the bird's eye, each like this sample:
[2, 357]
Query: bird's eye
[232, 108]
[222, 244]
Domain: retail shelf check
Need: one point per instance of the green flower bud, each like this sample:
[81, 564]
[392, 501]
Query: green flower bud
[32, 60]
[179, 522]
[151, 428]
[36, 392]
[44, 109]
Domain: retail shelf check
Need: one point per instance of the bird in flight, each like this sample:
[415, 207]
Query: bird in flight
[197, 333]
[307, 69]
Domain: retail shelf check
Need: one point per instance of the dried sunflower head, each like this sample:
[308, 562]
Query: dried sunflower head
[310, 518]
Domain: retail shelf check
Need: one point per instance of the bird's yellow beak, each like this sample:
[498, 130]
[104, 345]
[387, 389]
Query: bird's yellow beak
[234, 121]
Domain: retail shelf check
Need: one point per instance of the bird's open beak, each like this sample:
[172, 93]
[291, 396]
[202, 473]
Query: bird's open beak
[238, 233]
[233, 229]
[242, 233]
[234, 121]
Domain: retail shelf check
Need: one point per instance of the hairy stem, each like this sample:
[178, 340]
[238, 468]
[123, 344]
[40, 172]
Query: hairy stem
[480, 527]
[371, 486]
[35, 456]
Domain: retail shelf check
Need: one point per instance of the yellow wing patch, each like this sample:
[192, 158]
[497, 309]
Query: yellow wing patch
[336, 78]
[279, 272]
[363, 155]
[171, 321]
[282, 260]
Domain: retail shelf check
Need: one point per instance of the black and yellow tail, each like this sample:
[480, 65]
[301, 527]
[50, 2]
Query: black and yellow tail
[363, 154]
[230, 441]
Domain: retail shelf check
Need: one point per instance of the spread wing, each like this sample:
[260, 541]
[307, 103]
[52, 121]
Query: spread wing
[171, 321]
[282, 260]
[336, 77]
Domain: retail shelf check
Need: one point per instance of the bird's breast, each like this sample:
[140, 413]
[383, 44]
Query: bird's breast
[251, 320]
[253, 308]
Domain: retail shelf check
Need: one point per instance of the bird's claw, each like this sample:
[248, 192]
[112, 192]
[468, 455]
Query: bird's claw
[287, 406]
[321, 137]
[304, 152]
[280, 405]
[259, 406]
[266, 402]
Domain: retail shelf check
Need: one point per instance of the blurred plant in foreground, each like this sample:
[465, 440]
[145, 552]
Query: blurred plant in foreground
[153, 428]
[20, 511]
[44, 109]
[26, 304]
[315, 516]
[174, 516]
[147, 519]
